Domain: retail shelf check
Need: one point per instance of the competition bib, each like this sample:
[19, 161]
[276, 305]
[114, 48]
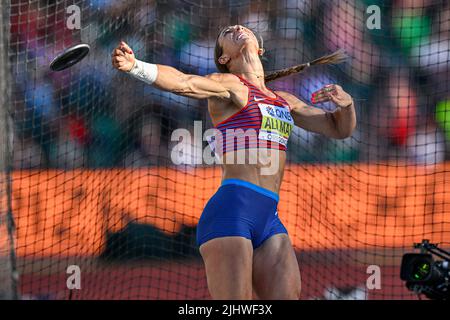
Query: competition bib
[277, 123]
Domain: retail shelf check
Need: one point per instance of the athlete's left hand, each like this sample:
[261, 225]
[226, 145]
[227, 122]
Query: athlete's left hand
[332, 92]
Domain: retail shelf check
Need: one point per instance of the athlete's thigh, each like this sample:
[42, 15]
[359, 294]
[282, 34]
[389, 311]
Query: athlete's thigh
[276, 273]
[228, 263]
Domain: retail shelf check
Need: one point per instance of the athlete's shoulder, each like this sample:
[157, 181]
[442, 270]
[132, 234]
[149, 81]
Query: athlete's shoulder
[230, 82]
[234, 86]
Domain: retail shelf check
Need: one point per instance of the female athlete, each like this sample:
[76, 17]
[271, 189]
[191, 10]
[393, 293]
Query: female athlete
[245, 247]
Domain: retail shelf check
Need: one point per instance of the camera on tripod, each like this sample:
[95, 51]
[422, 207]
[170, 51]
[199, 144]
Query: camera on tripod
[423, 274]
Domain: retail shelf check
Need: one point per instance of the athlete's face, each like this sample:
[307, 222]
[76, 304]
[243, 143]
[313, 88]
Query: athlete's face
[233, 38]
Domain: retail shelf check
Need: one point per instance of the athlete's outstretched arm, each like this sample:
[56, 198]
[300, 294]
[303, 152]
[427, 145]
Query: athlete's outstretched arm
[168, 78]
[338, 124]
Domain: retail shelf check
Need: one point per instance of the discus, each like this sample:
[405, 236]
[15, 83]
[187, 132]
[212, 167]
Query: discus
[69, 57]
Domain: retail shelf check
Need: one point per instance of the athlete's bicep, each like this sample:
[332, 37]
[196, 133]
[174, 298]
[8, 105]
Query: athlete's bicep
[311, 118]
[189, 85]
[204, 88]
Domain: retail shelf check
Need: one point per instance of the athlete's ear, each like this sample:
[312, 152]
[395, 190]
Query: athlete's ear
[224, 59]
[261, 51]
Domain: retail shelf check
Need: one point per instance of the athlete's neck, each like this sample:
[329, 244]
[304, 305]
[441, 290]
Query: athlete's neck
[247, 65]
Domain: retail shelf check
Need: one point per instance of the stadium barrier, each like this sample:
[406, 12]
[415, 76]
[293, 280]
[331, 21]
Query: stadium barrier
[353, 206]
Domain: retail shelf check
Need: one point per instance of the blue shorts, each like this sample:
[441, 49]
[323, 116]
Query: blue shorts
[240, 208]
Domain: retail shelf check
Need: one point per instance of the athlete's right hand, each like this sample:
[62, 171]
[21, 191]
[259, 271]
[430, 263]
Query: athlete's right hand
[123, 57]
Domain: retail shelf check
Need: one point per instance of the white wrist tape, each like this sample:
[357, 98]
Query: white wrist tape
[144, 71]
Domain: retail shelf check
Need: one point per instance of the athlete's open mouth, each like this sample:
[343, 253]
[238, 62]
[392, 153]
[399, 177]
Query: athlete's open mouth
[241, 35]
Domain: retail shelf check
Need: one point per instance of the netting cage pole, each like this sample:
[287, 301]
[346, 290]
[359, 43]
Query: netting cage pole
[8, 273]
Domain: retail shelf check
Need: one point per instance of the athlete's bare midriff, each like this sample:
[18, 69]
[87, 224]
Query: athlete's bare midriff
[254, 172]
[263, 167]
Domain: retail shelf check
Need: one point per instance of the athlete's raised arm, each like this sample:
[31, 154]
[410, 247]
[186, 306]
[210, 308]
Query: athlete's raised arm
[168, 78]
[338, 124]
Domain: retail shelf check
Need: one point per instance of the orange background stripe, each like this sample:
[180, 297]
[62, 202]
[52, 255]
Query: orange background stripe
[323, 207]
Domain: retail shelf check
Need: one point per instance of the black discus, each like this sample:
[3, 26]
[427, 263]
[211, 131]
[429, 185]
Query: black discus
[69, 57]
